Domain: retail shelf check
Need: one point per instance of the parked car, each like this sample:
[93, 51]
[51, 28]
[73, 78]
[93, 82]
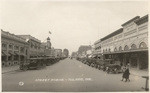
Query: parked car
[113, 68]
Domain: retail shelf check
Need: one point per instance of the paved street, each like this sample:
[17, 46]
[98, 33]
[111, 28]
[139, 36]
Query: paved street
[68, 76]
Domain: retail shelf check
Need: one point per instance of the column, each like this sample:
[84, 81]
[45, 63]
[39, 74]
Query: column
[138, 61]
[12, 58]
[7, 47]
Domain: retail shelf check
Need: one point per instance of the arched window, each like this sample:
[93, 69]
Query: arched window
[120, 48]
[126, 48]
[142, 45]
[115, 49]
[109, 50]
[133, 47]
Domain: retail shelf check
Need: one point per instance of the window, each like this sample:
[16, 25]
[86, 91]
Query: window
[4, 46]
[16, 47]
[115, 49]
[10, 46]
[133, 47]
[126, 48]
[22, 49]
[142, 45]
[120, 48]
[16, 57]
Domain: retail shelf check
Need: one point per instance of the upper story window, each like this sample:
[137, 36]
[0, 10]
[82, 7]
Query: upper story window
[133, 47]
[126, 48]
[16, 47]
[22, 49]
[4, 46]
[142, 45]
[10, 46]
[120, 48]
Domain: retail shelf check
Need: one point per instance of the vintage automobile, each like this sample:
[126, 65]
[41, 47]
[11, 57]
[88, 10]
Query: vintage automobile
[113, 68]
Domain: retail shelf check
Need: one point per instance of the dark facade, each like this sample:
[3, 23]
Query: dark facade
[14, 49]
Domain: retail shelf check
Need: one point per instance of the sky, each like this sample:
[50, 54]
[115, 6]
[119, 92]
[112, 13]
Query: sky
[72, 23]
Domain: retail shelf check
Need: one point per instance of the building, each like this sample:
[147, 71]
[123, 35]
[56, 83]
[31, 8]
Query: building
[34, 49]
[65, 52]
[82, 50]
[58, 52]
[14, 49]
[74, 54]
[46, 48]
[128, 44]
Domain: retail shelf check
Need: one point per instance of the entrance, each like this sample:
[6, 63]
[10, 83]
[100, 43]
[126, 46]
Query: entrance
[143, 59]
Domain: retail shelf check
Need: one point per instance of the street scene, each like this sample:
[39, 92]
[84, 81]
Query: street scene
[68, 46]
[69, 75]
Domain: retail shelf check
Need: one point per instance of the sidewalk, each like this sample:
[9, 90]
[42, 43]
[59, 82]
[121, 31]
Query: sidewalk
[10, 68]
[137, 72]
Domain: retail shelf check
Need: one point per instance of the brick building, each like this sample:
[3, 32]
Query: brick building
[13, 48]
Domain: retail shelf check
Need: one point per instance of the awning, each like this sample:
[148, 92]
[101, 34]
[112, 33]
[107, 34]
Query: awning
[129, 51]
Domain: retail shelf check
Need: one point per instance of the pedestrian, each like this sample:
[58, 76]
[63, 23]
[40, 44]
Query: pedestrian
[126, 75]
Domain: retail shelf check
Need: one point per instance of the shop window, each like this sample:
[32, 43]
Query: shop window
[3, 64]
[133, 47]
[9, 58]
[16, 57]
[143, 45]
[4, 58]
[126, 48]
[21, 58]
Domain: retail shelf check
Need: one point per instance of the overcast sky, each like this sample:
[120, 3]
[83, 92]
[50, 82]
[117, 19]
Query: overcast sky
[71, 23]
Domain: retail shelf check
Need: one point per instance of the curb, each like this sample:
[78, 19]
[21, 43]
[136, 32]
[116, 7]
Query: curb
[11, 71]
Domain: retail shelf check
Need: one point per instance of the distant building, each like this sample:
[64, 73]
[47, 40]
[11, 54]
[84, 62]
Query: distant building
[74, 54]
[82, 50]
[65, 52]
[46, 48]
[14, 49]
[34, 46]
[58, 52]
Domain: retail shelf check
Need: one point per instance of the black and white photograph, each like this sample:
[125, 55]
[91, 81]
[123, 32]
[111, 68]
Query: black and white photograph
[74, 45]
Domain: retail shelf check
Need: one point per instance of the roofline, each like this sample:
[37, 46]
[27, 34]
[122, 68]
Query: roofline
[133, 19]
[112, 34]
[144, 17]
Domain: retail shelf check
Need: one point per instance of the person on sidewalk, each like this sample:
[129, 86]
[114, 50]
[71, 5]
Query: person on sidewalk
[126, 75]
